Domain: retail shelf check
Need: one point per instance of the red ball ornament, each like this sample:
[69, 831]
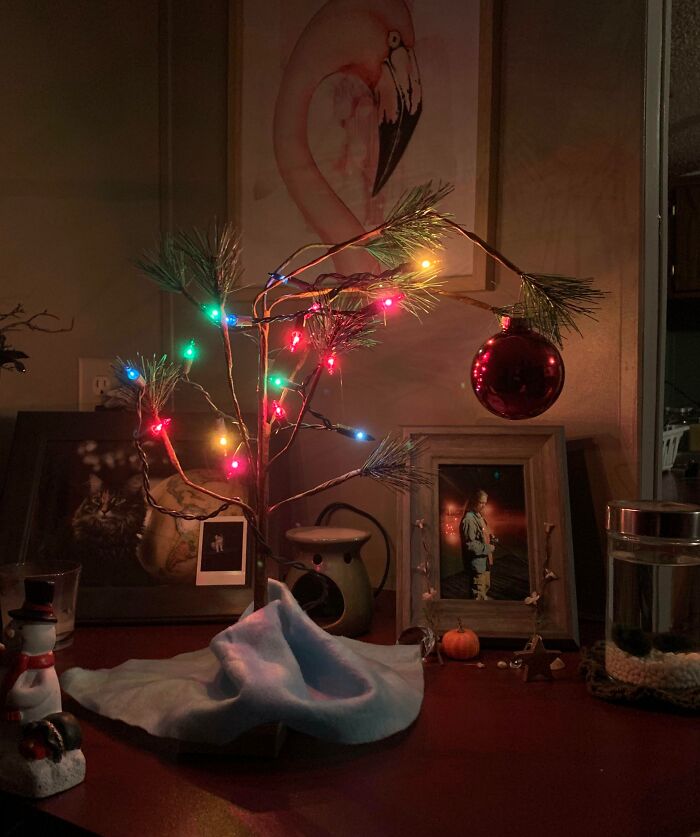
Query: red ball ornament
[517, 374]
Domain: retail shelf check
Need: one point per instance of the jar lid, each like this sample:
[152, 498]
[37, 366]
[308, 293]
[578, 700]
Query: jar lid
[654, 519]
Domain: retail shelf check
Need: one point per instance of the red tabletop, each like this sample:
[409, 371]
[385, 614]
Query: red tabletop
[488, 755]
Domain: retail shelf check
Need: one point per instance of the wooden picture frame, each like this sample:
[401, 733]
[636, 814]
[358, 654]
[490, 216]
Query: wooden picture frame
[60, 461]
[455, 139]
[539, 453]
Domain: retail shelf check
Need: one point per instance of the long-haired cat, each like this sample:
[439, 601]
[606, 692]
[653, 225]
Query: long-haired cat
[106, 531]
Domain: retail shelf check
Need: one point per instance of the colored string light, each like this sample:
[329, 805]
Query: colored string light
[189, 353]
[330, 364]
[278, 411]
[297, 333]
[158, 427]
[352, 433]
[221, 437]
[134, 376]
[214, 313]
[280, 382]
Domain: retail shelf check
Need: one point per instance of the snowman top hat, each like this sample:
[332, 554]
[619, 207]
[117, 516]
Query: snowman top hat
[38, 602]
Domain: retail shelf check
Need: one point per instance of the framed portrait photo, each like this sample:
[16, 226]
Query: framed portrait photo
[337, 110]
[74, 490]
[478, 542]
[222, 556]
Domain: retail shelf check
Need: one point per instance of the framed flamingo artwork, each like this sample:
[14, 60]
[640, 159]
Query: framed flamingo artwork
[338, 107]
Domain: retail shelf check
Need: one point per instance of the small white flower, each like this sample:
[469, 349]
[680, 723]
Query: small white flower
[430, 595]
[550, 575]
[532, 599]
[420, 523]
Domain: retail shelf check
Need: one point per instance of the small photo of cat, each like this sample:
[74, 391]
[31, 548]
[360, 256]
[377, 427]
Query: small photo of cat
[222, 551]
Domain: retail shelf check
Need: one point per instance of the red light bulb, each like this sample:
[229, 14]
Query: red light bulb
[159, 426]
[278, 411]
[235, 467]
[330, 364]
[295, 341]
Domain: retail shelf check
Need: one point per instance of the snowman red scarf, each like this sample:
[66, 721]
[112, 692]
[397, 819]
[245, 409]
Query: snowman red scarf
[17, 663]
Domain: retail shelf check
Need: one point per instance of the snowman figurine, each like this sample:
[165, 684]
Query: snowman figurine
[30, 694]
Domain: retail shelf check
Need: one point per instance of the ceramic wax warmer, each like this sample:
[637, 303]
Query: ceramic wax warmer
[335, 553]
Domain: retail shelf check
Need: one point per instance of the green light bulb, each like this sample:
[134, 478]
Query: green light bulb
[190, 351]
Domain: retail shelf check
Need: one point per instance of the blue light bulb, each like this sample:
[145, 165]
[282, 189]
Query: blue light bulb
[131, 373]
[360, 435]
[231, 320]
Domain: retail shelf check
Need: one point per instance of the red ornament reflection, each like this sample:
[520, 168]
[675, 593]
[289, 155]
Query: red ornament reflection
[517, 374]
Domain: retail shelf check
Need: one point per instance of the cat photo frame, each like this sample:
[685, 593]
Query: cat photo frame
[74, 490]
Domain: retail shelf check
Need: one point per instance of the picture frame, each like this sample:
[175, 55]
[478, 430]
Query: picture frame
[73, 489]
[455, 139]
[524, 468]
[222, 553]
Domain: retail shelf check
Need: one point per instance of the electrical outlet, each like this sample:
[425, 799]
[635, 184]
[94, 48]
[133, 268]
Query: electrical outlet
[95, 378]
[100, 385]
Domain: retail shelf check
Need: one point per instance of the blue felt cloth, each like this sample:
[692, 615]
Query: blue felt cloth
[273, 665]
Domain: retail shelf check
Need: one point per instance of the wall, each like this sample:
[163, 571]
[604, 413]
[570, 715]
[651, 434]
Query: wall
[115, 127]
[79, 165]
[118, 128]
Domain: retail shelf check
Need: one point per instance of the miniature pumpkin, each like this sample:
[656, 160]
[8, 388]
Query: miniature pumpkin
[460, 643]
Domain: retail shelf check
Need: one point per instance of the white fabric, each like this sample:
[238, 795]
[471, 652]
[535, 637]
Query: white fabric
[273, 665]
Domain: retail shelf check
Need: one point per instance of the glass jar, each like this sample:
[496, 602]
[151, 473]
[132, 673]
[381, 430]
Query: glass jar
[653, 599]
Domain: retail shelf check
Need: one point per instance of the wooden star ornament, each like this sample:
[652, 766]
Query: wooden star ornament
[536, 660]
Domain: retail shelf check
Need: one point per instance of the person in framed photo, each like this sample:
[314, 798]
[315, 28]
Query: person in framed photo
[478, 545]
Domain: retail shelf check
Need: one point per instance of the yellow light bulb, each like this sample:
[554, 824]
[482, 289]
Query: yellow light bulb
[223, 441]
[425, 264]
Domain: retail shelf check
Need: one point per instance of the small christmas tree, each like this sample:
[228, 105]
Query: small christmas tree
[330, 316]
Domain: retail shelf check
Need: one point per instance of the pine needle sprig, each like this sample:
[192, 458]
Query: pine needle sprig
[412, 226]
[166, 266]
[346, 326]
[551, 303]
[390, 464]
[416, 290]
[214, 259]
[161, 377]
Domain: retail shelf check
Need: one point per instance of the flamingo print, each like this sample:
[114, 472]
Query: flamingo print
[372, 40]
